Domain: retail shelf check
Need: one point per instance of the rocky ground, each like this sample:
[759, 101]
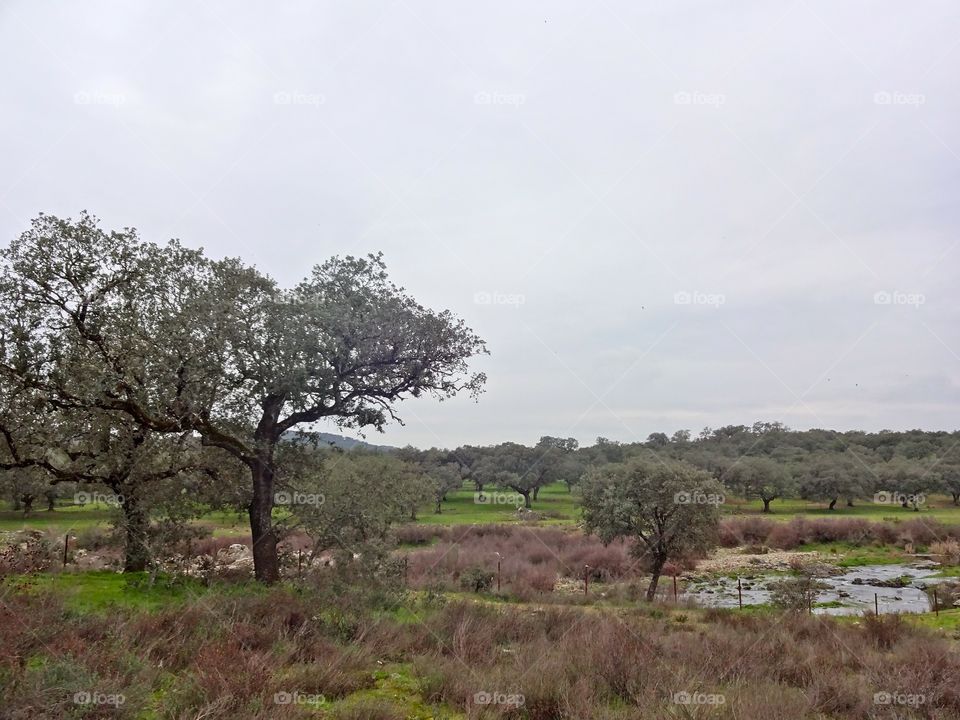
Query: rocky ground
[725, 560]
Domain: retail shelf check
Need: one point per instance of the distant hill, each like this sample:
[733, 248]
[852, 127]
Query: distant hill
[339, 441]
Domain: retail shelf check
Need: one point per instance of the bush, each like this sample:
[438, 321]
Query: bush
[531, 559]
[476, 580]
[32, 552]
[884, 630]
[94, 538]
[948, 594]
[796, 594]
[414, 534]
[947, 552]
[752, 531]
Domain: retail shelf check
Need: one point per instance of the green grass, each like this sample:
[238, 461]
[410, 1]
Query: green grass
[938, 507]
[845, 554]
[101, 591]
[64, 518]
[556, 505]
[81, 517]
[559, 506]
[397, 686]
[829, 604]
[947, 620]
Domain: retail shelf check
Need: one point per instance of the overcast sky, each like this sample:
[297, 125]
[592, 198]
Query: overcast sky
[659, 215]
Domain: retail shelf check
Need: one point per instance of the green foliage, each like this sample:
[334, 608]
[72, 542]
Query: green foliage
[159, 339]
[758, 477]
[669, 509]
[796, 593]
[476, 579]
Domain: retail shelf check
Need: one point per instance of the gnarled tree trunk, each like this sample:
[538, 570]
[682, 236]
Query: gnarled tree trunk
[655, 571]
[136, 525]
[266, 563]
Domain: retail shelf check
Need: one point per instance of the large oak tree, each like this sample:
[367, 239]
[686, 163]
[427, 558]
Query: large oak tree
[182, 343]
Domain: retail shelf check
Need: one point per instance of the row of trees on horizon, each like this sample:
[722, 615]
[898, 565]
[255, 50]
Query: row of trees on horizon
[762, 462]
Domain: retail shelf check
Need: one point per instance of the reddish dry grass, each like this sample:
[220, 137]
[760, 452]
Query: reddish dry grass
[227, 654]
[858, 531]
[531, 559]
[575, 664]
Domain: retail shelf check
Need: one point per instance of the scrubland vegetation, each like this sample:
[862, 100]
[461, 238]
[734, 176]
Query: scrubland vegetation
[308, 651]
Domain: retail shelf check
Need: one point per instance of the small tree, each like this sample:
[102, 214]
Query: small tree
[796, 593]
[346, 501]
[670, 510]
[831, 476]
[441, 471]
[555, 459]
[950, 477]
[24, 486]
[756, 477]
[512, 466]
[442, 479]
[907, 481]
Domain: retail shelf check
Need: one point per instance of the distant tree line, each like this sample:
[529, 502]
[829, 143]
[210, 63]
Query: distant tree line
[762, 462]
